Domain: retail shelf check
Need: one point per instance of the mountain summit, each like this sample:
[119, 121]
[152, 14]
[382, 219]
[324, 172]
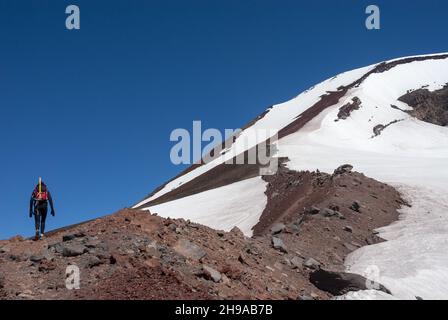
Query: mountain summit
[388, 120]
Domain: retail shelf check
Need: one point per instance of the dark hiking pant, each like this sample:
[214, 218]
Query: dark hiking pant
[40, 215]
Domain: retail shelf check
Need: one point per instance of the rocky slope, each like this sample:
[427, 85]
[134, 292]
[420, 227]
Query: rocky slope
[312, 222]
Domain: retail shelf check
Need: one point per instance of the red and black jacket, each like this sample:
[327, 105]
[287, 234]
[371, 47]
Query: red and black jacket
[37, 200]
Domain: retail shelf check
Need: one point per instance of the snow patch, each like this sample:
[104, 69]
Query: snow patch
[239, 204]
[414, 260]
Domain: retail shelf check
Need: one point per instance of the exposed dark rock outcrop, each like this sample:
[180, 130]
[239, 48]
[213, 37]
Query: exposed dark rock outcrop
[428, 106]
[339, 283]
[380, 127]
[346, 110]
[345, 168]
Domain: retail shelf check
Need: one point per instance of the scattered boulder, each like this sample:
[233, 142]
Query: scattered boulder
[211, 274]
[69, 237]
[277, 228]
[350, 247]
[339, 283]
[92, 243]
[189, 250]
[73, 250]
[355, 206]
[297, 262]
[153, 250]
[278, 244]
[36, 258]
[345, 168]
[373, 239]
[312, 210]
[312, 263]
[225, 279]
[326, 212]
[243, 259]
[334, 207]
[286, 261]
[93, 261]
[44, 255]
[348, 229]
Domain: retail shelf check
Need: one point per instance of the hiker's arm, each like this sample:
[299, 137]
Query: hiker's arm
[50, 199]
[31, 204]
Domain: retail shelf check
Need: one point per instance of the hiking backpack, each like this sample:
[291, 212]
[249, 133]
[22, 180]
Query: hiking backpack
[40, 196]
[40, 193]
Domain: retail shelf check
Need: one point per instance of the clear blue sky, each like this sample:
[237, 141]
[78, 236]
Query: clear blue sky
[91, 111]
